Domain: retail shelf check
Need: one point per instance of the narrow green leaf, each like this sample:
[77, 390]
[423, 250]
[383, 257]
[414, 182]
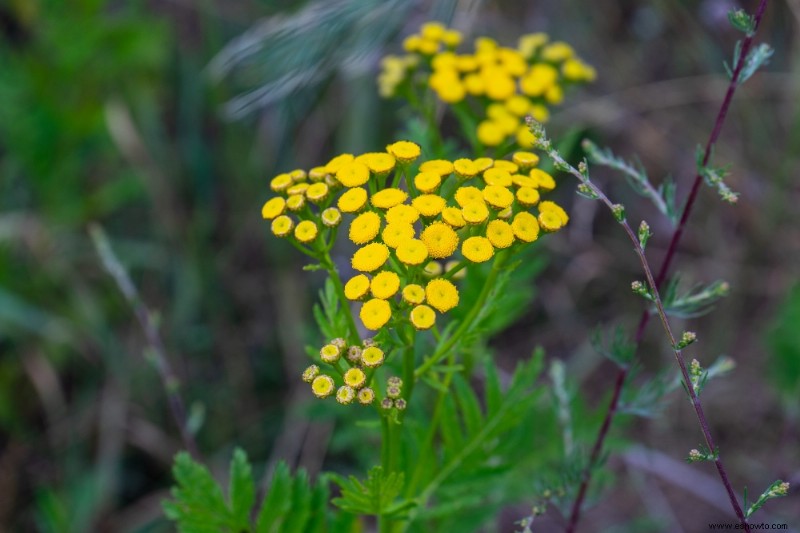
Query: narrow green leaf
[468, 402]
[241, 490]
[278, 501]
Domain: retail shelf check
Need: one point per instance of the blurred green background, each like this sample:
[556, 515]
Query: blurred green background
[163, 120]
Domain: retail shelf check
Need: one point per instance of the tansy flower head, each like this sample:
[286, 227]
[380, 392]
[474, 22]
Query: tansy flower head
[543, 180]
[369, 341]
[402, 213]
[423, 317]
[322, 386]
[387, 403]
[331, 217]
[353, 174]
[385, 285]
[317, 174]
[281, 182]
[330, 353]
[525, 160]
[465, 168]
[453, 216]
[440, 239]
[355, 378]
[412, 252]
[497, 176]
[370, 257]
[337, 162]
[442, 167]
[365, 227]
[405, 151]
[357, 287]
[339, 343]
[393, 392]
[372, 357]
[394, 381]
[366, 396]
[353, 200]
[282, 226]
[387, 198]
[518, 105]
[465, 195]
[379, 163]
[477, 249]
[273, 207]
[354, 354]
[525, 138]
[427, 181]
[547, 205]
[497, 196]
[441, 294]
[295, 202]
[490, 133]
[475, 212]
[500, 234]
[400, 404]
[306, 231]
[549, 220]
[527, 196]
[413, 294]
[429, 205]
[432, 269]
[525, 227]
[310, 373]
[484, 163]
[345, 395]
[298, 175]
[375, 314]
[523, 181]
[508, 166]
[298, 189]
[395, 233]
[317, 192]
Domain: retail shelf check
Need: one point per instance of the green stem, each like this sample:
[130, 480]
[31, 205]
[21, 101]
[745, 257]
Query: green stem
[327, 263]
[468, 321]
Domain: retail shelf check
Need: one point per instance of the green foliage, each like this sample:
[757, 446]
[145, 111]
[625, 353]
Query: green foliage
[742, 21]
[616, 346]
[199, 505]
[758, 57]
[327, 313]
[784, 344]
[696, 301]
[375, 496]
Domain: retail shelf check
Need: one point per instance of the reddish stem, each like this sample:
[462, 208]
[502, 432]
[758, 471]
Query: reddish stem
[622, 374]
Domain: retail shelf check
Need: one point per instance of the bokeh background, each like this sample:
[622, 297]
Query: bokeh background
[163, 120]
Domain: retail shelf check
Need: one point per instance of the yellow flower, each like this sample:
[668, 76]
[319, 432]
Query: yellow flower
[453, 216]
[451, 38]
[512, 61]
[525, 160]
[500, 234]
[322, 386]
[402, 214]
[530, 43]
[387, 198]
[379, 162]
[366, 396]
[330, 353]
[444, 61]
[449, 89]
[441, 294]
[508, 166]
[353, 174]
[466, 195]
[298, 175]
[365, 227]
[547, 205]
[317, 174]
[317, 192]
[405, 151]
[357, 287]
[474, 84]
[296, 202]
[525, 138]
[432, 269]
[414, 294]
[466, 63]
[543, 180]
[497, 176]
[427, 181]
[549, 220]
[372, 357]
[384, 285]
[484, 163]
[310, 373]
[518, 105]
[281, 182]
[523, 181]
[375, 314]
[538, 79]
[475, 212]
[282, 226]
[337, 162]
[423, 317]
[554, 95]
[428, 47]
[353, 201]
[396, 233]
[345, 395]
[412, 252]
[540, 113]
[557, 51]
[429, 205]
[440, 239]
[306, 231]
[525, 227]
[442, 167]
[465, 168]
[577, 70]
[355, 378]
[497, 196]
[499, 85]
[527, 196]
[477, 249]
[490, 133]
[331, 217]
[371, 257]
[273, 207]
[411, 43]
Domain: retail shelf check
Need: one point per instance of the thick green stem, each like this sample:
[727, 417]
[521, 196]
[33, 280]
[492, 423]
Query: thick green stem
[468, 320]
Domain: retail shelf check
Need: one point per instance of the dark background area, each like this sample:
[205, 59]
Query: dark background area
[145, 117]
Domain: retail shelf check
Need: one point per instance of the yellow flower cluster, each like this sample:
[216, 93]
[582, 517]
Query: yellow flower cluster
[361, 360]
[504, 84]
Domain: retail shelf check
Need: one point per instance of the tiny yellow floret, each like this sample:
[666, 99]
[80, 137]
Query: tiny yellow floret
[355, 378]
[306, 231]
[477, 249]
[365, 227]
[345, 395]
[372, 357]
[500, 234]
[414, 294]
[353, 174]
[353, 201]
[525, 227]
[412, 252]
[375, 314]
[331, 217]
[423, 317]
[273, 207]
[387, 198]
[427, 181]
[395, 233]
[402, 213]
[441, 294]
[357, 287]
[440, 239]
[405, 151]
[366, 396]
[475, 212]
[282, 226]
[453, 216]
[429, 205]
[371, 257]
[385, 285]
[322, 386]
[442, 167]
[497, 196]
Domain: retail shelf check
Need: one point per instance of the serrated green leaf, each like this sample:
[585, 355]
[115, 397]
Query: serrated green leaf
[374, 496]
[241, 490]
[494, 394]
[451, 432]
[278, 501]
[468, 402]
[301, 505]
